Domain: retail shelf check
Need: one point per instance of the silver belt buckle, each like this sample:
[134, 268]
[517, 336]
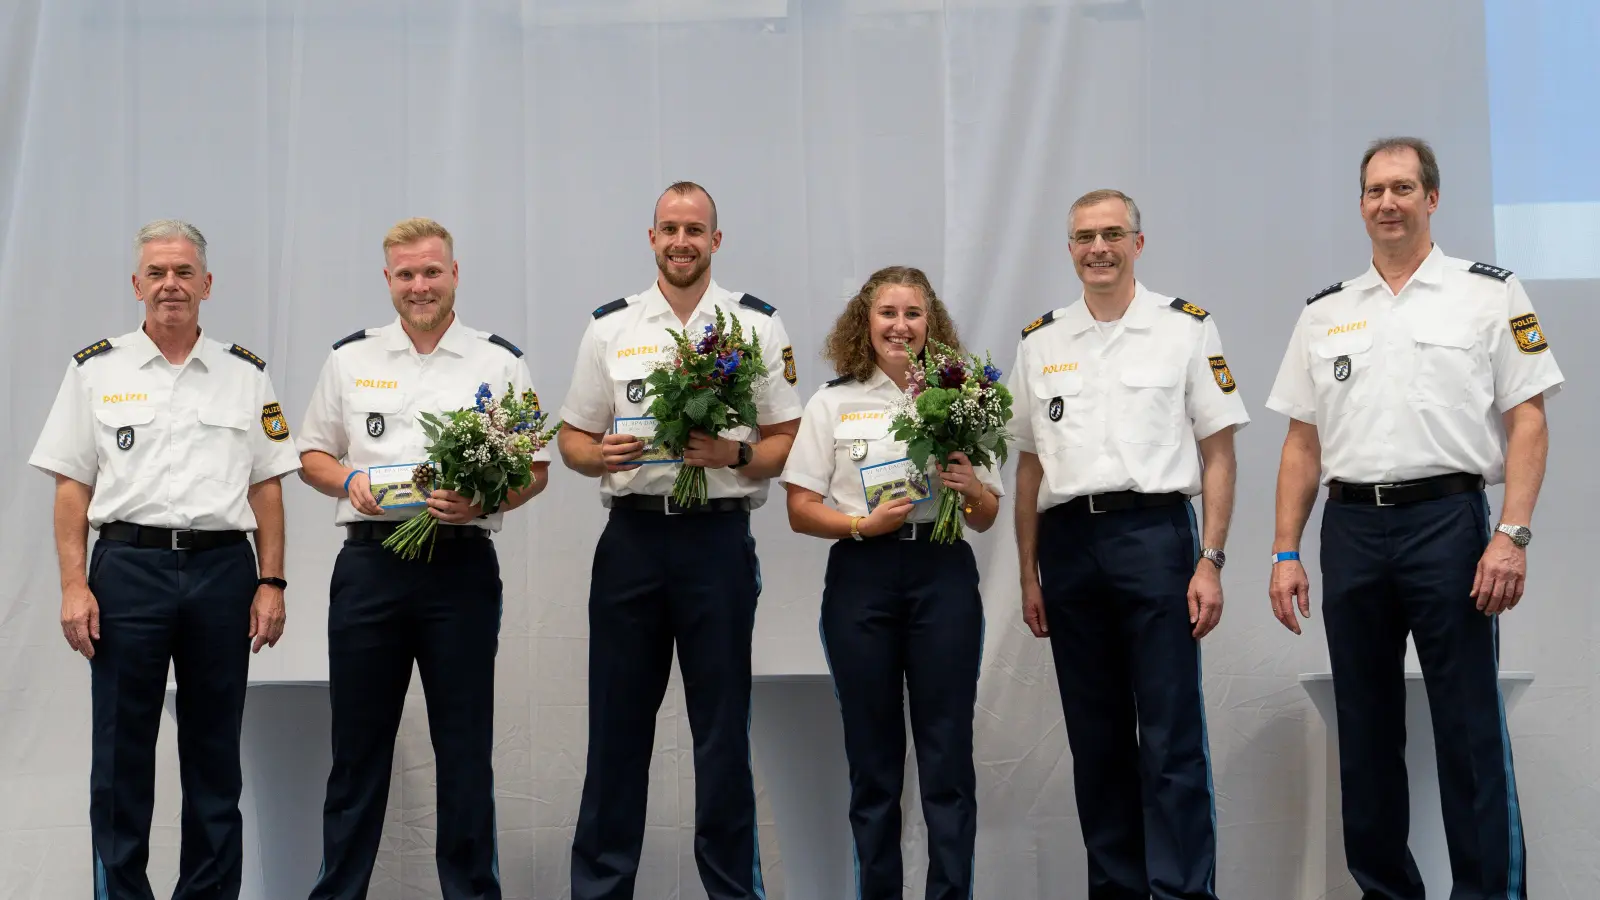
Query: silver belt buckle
[1092, 510]
[180, 539]
[1377, 494]
[666, 506]
[913, 535]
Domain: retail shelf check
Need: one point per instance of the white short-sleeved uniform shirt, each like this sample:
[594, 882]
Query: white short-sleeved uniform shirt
[1411, 385]
[1121, 406]
[616, 354]
[366, 406]
[825, 458]
[167, 446]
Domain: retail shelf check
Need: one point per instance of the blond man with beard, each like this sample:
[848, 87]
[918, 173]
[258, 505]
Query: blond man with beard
[385, 612]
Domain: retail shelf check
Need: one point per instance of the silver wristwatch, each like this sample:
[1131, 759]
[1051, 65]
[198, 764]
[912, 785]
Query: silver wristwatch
[1519, 534]
[1217, 557]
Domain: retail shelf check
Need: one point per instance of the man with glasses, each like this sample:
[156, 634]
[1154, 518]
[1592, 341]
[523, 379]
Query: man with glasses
[1125, 409]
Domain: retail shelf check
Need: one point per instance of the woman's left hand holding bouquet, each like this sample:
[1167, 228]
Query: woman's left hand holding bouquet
[451, 508]
[958, 475]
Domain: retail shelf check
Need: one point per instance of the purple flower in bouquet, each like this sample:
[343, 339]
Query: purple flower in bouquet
[952, 375]
[708, 342]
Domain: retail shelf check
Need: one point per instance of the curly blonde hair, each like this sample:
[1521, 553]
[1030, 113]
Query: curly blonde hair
[849, 344]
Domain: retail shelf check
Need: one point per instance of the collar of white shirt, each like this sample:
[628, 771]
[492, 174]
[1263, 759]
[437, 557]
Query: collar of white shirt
[656, 305]
[1430, 272]
[1139, 315]
[457, 338]
[142, 350]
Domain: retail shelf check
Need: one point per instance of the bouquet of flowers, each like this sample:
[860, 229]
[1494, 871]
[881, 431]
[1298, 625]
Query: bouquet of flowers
[952, 405]
[710, 384]
[483, 452]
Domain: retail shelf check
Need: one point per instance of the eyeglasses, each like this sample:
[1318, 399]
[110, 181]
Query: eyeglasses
[1110, 235]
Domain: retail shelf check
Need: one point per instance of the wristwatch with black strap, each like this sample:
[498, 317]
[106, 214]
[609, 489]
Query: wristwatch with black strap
[745, 453]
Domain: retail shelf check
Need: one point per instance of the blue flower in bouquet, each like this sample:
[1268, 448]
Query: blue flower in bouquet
[708, 342]
[483, 397]
[727, 364]
[991, 374]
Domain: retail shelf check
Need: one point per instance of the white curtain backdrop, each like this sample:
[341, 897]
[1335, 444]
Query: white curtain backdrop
[838, 136]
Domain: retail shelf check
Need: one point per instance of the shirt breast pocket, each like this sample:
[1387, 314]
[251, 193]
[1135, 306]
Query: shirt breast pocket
[125, 438]
[222, 451]
[1449, 372]
[1343, 369]
[858, 443]
[1152, 404]
[628, 387]
[372, 416]
[1060, 411]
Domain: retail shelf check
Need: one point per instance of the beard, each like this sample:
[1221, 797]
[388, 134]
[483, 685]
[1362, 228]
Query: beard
[682, 279]
[430, 319]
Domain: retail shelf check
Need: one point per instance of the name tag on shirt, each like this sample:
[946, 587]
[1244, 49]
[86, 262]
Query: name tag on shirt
[644, 428]
[395, 487]
[893, 480]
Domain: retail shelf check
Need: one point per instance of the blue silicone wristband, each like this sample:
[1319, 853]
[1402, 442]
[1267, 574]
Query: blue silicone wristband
[353, 473]
[1285, 556]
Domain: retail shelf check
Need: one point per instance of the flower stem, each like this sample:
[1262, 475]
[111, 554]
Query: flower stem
[947, 528]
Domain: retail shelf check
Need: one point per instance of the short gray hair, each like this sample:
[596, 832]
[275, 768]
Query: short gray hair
[166, 229]
[1102, 196]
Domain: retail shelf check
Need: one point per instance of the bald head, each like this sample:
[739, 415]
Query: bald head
[698, 197]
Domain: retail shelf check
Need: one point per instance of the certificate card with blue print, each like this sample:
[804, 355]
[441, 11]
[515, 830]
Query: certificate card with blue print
[394, 487]
[893, 480]
[644, 428]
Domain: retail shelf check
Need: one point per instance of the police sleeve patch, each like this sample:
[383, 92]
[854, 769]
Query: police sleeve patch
[842, 379]
[248, 357]
[1491, 271]
[273, 422]
[1184, 306]
[1219, 371]
[1530, 336]
[789, 373]
[502, 342]
[350, 338]
[1039, 323]
[611, 307]
[1334, 288]
[91, 351]
[750, 301]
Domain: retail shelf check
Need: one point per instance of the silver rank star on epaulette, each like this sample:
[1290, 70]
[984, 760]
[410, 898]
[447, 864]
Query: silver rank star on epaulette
[1491, 271]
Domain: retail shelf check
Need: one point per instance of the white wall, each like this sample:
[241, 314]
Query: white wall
[838, 136]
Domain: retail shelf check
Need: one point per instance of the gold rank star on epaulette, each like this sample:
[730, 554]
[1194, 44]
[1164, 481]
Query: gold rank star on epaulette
[248, 357]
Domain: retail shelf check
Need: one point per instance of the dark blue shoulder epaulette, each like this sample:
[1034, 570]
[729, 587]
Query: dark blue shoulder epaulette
[751, 301]
[248, 357]
[1334, 288]
[350, 338]
[93, 350]
[609, 308]
[1184, 306]
[1039, 323]
[842, 379]
[1491, 271]
[497, 339]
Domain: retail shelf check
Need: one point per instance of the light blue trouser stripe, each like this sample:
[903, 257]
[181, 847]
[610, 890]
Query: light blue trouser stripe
[855, 851]
[494, 837]
[1205, 735]
[101, 891]
[755, 834]
[983, 635]
[1515, 879]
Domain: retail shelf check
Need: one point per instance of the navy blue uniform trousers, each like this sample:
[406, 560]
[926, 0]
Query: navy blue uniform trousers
[1389, 571]
[191, 607]
[658, 580]
[1115, 590]
[901, 616]
[384, 613]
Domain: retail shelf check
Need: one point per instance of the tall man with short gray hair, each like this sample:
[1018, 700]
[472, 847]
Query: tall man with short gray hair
[1408, 389]
[1124, 410]
[171, 445]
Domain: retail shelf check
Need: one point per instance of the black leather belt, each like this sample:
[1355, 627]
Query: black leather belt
[169, 538]
[1116, 501]
[377, 531]
[1402, 492]
[909, 531]
[667, 506]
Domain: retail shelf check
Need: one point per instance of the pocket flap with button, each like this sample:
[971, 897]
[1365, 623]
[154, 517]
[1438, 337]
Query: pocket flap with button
[1150, 376]
[1443, 334]
[1058, 384]
[225, 418]
[871, 428]
[1343, 344]
[633, 368]
[120, 415]
[376, 401]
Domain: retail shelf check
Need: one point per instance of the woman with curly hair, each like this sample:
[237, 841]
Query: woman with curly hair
[897, 608]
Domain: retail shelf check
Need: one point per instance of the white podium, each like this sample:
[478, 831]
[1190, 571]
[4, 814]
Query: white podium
[285, 753]
[797, 735]
[1422, 768]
